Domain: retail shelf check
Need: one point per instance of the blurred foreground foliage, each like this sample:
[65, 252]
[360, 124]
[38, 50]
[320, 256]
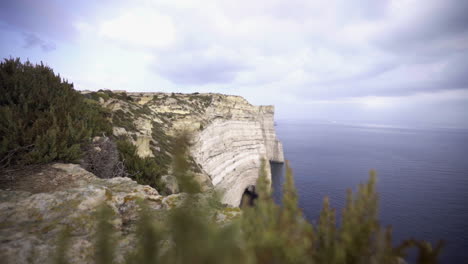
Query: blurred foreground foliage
[181, 167]
[265, 233]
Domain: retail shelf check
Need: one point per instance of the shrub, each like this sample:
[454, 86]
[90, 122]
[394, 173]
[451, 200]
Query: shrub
[102, 159]
[42, 118]
[143, 170]
[123, 119]
[119, 95]
[96, 95]
[138, 111]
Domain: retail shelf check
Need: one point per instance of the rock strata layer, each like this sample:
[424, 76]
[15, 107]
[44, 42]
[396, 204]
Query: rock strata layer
[230, 136]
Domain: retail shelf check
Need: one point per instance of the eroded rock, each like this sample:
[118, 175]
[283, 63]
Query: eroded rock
[32, 219]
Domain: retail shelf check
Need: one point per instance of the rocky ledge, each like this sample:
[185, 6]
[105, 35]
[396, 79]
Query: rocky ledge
[39, 204]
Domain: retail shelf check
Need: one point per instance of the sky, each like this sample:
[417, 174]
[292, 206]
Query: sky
[396, 62]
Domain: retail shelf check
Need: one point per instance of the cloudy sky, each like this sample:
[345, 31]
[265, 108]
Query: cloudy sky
[373, 61]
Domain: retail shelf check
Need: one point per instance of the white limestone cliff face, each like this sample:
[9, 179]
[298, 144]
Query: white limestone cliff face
[230, 136]
[230, 152]
[231, 147]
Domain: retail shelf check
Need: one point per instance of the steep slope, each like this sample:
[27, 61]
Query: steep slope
[230, 136]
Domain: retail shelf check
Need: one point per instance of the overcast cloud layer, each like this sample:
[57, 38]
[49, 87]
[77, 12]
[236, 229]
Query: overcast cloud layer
[396, 62]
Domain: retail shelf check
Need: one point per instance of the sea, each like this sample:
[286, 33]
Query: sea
[422, 176]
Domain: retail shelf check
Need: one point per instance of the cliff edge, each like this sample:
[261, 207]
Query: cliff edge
[230, 136]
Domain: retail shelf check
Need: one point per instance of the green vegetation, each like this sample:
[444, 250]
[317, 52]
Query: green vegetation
[281, 234]
[96, 95]
[42, 118]
[140, 111]
[196, 103]
[202, 101]
[143, 170]
[267, 233]
[276, 234]
[181, 165]
[63, 243]
[149, 170]
[123, 119]
[105, 237]
[120, 95]
[163, 142]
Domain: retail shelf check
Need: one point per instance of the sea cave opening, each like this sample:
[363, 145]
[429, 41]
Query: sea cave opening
[248, 197]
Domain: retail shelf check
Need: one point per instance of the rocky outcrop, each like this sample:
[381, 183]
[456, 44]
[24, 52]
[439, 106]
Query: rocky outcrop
[274, 148]
[32, 216]
[230, 136]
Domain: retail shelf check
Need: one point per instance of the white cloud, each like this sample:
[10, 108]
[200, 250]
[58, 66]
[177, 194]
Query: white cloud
[140, 28]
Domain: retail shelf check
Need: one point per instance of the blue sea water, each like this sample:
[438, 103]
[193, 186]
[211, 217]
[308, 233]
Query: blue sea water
[422, 176]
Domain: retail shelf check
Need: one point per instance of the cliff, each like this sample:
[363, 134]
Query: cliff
[230, 148]
[230, 136]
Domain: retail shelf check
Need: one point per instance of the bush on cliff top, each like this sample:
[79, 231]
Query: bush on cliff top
[143, 170]
[42, 118]
[102, 158]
